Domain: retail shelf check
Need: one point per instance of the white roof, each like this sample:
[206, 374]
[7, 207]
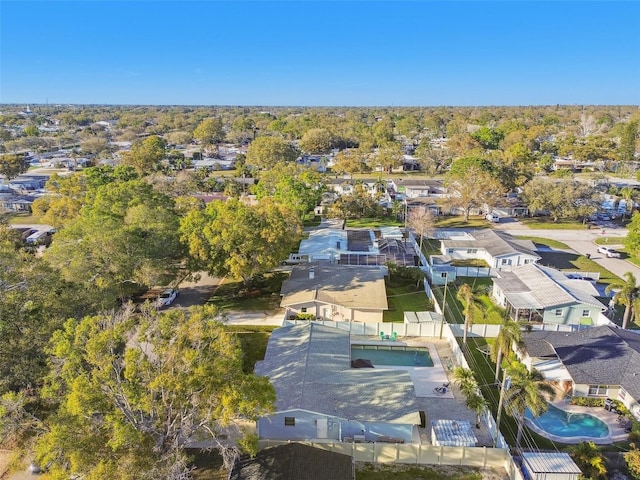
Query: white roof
[554, 462]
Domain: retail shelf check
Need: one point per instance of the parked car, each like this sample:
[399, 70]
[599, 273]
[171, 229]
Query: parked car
[167, 297]
[493, 217]
[609, 252]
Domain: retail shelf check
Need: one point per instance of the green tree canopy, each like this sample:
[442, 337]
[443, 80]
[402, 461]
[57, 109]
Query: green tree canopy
[473, 187]
[240, 240]
[295, 186]
[563, 198]
[316, 140]
[12, 165]
[134, 392]
[124, 239]
[210, 132]
[266, 152]
[146, 154]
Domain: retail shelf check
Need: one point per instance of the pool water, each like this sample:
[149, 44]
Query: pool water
[393, 356]
[566, 424]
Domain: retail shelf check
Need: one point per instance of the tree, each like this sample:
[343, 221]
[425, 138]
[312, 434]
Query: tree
[472, 186]
[295, 186]
[266, 152]
[210, 132]
[632, 458]
[590, 459]
[125, 238]
[564, 198]
[528, 390]
[463, 377]
[34, 301]
[389, 156]
[510, 333]
[628, 139]
[232, 238]
[144, 155]
[422, 221]
[477, 403]
[12, 165]
[472, 307]
[136, 392]
[349, 161]
[489, 138]
[628, 194]
[627, 292]
[316, 140]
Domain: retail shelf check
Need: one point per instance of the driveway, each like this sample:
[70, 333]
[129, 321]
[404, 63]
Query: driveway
[583, 242]
[196, 293]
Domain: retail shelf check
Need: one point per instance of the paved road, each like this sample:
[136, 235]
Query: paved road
[196, 293]
[583, 242]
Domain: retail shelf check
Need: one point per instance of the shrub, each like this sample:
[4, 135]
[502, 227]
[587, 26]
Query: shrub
[588, 401]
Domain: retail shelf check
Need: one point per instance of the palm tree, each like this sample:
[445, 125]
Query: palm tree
[627, 194]
[627, 293]
[468, 296]
[463, 377]
[510, 332]
[589, 458]
[478, 404]
[528, 390]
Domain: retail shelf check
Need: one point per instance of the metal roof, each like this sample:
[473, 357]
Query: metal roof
[310, 368]
[554, 462]
[535, 286]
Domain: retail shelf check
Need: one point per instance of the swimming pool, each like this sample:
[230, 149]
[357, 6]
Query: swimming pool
[566, 424]
[393, 356]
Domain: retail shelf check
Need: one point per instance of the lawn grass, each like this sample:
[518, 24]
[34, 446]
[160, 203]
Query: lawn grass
[24, 219]
[263, 295]
[311, 220]
[609, 241]
[403, 296]
[253, 341]
[545, 223]
[389, 221]
[369, 471]
[576, 262]
[446, 221]
[545, 242]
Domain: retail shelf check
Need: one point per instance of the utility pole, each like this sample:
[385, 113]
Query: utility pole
[444, 302]
[506, 382]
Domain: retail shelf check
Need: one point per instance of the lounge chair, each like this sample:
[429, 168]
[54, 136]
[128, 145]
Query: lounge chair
[442, 389]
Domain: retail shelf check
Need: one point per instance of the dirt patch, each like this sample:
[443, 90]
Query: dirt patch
[368, 471]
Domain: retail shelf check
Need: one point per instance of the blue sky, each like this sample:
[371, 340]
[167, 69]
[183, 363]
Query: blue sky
[415, 53]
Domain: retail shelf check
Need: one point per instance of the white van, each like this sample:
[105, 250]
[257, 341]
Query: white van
[493, 217]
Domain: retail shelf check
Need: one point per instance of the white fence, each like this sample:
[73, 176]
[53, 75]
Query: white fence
[413, 453]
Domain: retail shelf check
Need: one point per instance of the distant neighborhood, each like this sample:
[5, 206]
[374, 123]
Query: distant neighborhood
[332, 286]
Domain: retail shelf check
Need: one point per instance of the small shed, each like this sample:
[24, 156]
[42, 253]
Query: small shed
[550, 466]
[452, 433]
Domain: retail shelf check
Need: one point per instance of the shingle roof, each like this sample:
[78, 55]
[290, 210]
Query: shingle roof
[535, 286]
[352, 287]
[310, 368]
[594, 356]
[495, 242]
[293, 461]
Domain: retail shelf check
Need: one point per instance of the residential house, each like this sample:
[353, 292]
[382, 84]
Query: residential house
[601, 361]
[376, 187]
[336, 292]
[538, 294]
[498, 249]
[321, 398]
[293, 461]
[411, 188]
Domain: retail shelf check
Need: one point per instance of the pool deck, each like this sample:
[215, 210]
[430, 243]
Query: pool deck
[425, 379]
[448, 406]
[616, 432]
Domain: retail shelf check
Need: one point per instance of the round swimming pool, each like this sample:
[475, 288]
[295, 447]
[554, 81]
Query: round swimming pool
[393, 355]
[566, 424]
